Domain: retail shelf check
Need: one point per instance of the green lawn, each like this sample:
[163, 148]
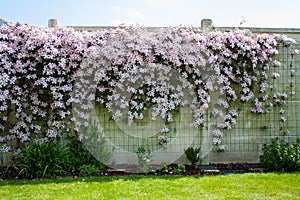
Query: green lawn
[244, 186]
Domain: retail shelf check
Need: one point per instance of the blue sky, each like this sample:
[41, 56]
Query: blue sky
[257, 13]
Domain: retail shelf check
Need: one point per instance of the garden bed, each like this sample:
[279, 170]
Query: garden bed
[172, 169]
[175, 169]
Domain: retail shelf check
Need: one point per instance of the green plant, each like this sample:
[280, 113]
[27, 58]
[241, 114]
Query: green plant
[1, 165]
[193, 154]
[88, 170]
[281, 156]
[80, 155]
[144, 158]
[179, 169]
[164, 167]
[43, 159]
[92, 150]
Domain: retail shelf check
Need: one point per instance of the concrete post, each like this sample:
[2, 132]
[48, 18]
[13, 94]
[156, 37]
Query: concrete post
[52, 23]
[206, 24]
[2, 21]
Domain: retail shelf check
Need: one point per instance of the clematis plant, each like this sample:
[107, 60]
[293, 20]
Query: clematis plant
[131, 69]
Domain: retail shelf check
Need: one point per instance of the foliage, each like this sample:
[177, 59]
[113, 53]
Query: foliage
[43, 159]
[179, 169]
[88, 170]
[168, 168]
[2, 172]
[163, 140]
[144, 158]
[281, 156]
[80, 156]
[43, 72]
[164, 167]
[193, 154]
[235, 186]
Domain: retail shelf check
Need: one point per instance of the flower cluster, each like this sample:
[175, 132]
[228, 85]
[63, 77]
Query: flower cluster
[129, 70]
[36, 84]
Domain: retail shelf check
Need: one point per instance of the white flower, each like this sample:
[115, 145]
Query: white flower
[222, 147]
[276, 63]
[282, 119]
[51, 133]
[216, 141]
[217, 133]
[276, 75]
[164, 129]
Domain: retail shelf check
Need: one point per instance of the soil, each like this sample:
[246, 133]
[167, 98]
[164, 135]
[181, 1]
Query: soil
[210, 169]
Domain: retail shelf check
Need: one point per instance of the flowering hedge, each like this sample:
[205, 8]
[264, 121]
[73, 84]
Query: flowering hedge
[40, 67]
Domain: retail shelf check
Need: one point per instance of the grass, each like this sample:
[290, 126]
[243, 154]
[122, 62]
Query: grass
[234, 186]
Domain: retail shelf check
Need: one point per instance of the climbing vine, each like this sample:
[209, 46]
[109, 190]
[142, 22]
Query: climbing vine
[130, 70]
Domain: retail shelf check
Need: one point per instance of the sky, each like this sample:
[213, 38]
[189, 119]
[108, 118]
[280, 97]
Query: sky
[253, 13]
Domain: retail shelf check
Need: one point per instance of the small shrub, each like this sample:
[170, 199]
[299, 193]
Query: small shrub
[165, 167]
[179, 169]
[281, 156]
[43, 160]
[193, 154]
[1, 166]
[80, 156]
[144, 158]
[88, 170]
